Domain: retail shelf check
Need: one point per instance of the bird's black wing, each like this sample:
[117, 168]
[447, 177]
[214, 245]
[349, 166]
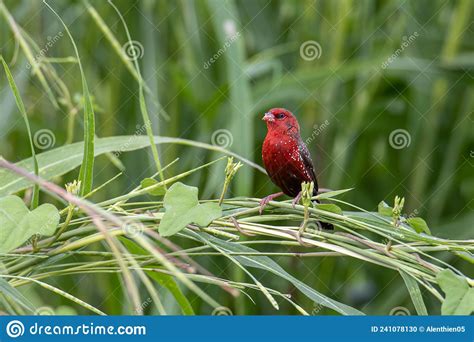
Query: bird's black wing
[309, 166]
[308, 163]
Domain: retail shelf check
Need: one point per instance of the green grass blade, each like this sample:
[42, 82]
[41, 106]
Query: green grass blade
[241, 117]
[115, 44]
[9, 291]
[415, 293]
[28, 53]
[21, 107]
[267, 264]
[143, 106]
[59, 292]
[61, 160]
[87, 167]
[168, 282]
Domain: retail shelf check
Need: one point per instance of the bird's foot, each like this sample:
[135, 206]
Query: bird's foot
[297, 199]
[265, 200]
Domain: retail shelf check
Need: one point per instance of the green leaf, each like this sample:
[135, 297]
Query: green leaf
[267, 264]
[159, 191]
[384, 209]
[18, 224]
[9, 291]
[182, 208]
[21, 108]
[415, 293]
[329, 207]
[87, 165]
[419, 225]
[459, 299]
[334, 193]
[168, 282]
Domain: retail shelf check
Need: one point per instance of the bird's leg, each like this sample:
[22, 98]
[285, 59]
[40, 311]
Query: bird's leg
[296, 200]
[267, 199]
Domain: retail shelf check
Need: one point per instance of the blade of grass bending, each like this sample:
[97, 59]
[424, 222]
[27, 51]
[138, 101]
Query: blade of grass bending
[157, 185]
[260, 286]
[28, 53]
[21, 108]
[9, 291]
[176, 272]
[269, 265]
[114, 42]
[96, 214]
[168, 282]
[58, 161]
[60, 292]
[143, 106]
[87, 167]
[415, 293]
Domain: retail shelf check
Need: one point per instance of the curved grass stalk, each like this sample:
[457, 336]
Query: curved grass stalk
[143, 106]
[57, 291]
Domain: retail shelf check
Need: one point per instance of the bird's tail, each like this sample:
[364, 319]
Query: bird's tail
[324, 225]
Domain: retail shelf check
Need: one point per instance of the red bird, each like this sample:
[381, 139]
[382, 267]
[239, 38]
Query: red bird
[286, 157]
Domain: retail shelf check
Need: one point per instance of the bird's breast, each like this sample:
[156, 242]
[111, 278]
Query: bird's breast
[281, 155]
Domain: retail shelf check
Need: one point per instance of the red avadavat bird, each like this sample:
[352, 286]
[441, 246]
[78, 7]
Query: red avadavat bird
[286, 157]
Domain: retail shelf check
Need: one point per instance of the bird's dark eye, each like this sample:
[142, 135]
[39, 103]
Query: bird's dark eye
[280, 115]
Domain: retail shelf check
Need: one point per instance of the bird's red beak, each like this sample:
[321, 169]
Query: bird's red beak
[268, 117]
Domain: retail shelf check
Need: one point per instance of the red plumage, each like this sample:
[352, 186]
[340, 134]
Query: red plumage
[285, 156]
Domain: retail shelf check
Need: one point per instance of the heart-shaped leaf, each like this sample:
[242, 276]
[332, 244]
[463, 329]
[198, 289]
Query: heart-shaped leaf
[459, 299]
[148, 182]
[18, 224]
[182, 208]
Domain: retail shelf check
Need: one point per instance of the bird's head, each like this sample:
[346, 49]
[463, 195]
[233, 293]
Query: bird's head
[281, 120]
